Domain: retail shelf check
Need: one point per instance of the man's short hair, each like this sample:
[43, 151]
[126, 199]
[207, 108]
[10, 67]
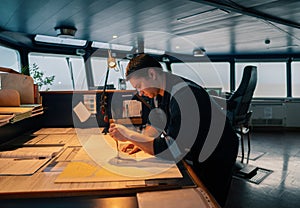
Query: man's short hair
[139, 65]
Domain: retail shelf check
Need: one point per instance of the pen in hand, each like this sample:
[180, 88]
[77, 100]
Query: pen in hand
[118, 152]
[117, 142]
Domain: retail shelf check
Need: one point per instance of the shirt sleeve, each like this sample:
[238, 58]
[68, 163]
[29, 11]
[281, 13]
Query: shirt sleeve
[187, 126]
[165, 145]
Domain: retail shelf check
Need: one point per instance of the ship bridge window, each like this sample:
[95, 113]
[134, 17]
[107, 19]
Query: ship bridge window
[99, 69]
[69, 71]
[271, 78]
[10, 58]
[211, 75]
[295, 74]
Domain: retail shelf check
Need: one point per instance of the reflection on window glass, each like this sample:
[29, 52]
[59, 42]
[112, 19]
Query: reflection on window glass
[10, 58]
[123, 65]
[209, 75]
[271, 78]
[79, 75]
[295, 79]
[99, 69]
[69, 71]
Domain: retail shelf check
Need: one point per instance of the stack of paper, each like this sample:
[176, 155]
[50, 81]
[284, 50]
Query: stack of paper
[6, 118]
[36, 109]
[26, 160]
[19, 112]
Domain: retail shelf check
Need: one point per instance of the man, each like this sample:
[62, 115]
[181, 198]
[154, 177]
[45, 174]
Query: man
[186, 124]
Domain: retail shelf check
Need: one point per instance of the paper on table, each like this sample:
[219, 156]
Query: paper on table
[87, 172]
[101, 149]
[31, 152]
[55, 139]
[10, 166]
[82, 112]
[189, 198]
[143, 165]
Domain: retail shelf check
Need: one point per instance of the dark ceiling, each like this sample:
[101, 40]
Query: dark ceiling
[179, 26]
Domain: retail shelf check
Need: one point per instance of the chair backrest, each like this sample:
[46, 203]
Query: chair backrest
[239, 102]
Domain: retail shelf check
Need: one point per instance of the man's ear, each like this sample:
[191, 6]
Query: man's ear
[152, 74]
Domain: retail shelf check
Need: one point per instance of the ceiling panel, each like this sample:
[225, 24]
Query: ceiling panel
[221, 27]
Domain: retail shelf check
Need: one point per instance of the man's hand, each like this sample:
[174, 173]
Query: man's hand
[131, 148]
[123, 134]
[119, 132]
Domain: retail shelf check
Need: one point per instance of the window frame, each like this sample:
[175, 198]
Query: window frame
[69, 85]
[17, 65]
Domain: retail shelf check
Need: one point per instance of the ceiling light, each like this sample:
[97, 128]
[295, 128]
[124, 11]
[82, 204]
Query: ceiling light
[119, 47]
[154, 51]
[65, 31]
[199, 52]
[204, 16]
[58, 40]
[97, 44]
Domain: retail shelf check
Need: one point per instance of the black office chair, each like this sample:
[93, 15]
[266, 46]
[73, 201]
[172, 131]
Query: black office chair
[243, 129]
[238, 105]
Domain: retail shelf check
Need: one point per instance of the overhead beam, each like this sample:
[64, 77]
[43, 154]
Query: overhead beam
[234, 7]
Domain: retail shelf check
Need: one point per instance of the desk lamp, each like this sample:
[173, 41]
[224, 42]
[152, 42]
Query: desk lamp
[111, 63]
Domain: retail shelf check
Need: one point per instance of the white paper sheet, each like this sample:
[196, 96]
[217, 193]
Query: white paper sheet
[102, 149]
[82, 112]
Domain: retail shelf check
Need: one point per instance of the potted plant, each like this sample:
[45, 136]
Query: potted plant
[39, 77]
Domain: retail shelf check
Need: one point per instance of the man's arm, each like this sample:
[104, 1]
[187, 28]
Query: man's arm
[150, 131]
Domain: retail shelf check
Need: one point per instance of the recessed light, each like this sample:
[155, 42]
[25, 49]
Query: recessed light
[199, 52]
